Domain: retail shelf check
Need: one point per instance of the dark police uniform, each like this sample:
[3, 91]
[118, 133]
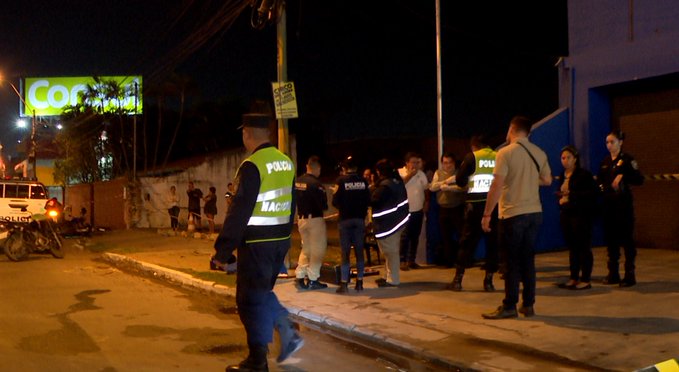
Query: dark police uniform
[476, 173]
[351, 200]
[258, 224]
[618, 214]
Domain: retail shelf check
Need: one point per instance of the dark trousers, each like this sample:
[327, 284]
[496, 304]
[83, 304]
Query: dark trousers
[352, 234]
[258, 306]
[472, 234]
[577, 232]
[450, 225]
[174, 217]
[618, 221]
[411, 237]
[517, 236]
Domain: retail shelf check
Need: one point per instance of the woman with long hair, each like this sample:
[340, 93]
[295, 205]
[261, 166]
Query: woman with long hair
[576, 200]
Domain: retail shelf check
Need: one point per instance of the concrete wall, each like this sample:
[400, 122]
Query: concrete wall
[216, 170]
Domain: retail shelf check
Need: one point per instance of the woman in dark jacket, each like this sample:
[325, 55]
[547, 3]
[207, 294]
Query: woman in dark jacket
[576, 199]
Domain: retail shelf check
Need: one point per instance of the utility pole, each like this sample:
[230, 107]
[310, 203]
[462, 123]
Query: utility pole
[134, 135]
[282, 64]
[439, 90]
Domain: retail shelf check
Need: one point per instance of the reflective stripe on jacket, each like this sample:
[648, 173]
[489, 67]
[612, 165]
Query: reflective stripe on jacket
[390, 213]
[273, 207]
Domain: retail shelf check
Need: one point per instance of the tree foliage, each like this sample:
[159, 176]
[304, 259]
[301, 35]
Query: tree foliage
[95, 141]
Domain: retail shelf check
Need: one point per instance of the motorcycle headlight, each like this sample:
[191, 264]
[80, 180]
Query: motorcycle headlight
[52, 213]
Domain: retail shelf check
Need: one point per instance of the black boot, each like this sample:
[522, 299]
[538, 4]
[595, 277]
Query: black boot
[612, 278]
[488, 282]
[456, 285]
[359, 285]
[255, 362]
[302, 284]
[343, 288]
[629, 280]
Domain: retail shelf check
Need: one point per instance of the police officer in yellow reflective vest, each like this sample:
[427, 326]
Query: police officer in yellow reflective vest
[476, 173]
[258, 225]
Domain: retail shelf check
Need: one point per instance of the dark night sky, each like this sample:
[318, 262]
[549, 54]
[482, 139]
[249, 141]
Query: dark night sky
[362, 69]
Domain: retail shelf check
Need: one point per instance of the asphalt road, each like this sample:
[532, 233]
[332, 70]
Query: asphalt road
[80, 314]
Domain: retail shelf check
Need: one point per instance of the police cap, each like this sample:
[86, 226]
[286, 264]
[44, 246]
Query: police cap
[255, 120]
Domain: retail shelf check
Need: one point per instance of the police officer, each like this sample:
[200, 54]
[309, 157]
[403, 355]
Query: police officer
[389, 202]
[351, 200]
[616, 173]
[259, 227]
[312, 201]
[476, 174]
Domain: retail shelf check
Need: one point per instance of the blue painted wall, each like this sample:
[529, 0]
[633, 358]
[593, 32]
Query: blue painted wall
[612, 42]
[551, 134]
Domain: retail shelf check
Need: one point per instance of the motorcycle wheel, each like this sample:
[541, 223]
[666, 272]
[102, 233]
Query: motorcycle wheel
[14, 246]
[56, 245]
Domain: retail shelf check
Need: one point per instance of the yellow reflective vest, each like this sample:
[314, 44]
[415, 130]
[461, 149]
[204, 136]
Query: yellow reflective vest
[482, 178]
[273, 209]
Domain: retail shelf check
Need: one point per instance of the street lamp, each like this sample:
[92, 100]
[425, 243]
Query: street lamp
[31, 154]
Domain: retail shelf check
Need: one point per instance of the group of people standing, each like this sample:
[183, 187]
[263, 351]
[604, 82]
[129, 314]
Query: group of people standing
[500, 199]
[578, 196]
[195, 197]
[493, 195]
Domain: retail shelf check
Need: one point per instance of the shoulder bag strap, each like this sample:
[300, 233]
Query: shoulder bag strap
[531, 156]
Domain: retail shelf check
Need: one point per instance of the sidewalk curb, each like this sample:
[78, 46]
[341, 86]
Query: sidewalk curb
[185, 280]
[345, 329]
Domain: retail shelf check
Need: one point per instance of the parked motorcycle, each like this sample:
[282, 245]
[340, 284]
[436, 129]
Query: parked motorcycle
[37, 236]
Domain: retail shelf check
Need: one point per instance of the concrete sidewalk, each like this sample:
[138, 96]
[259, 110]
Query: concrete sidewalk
[605, 328]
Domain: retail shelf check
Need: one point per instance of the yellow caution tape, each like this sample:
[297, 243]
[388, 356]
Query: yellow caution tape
[663, 177]
[668, 366]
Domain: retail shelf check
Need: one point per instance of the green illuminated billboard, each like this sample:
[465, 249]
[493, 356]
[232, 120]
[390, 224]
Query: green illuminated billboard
[50, 96]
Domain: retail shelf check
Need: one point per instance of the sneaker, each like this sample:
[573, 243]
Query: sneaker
[291, 347]
[404, 266]
[501, 313]
[315, 284]
[414, 266]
